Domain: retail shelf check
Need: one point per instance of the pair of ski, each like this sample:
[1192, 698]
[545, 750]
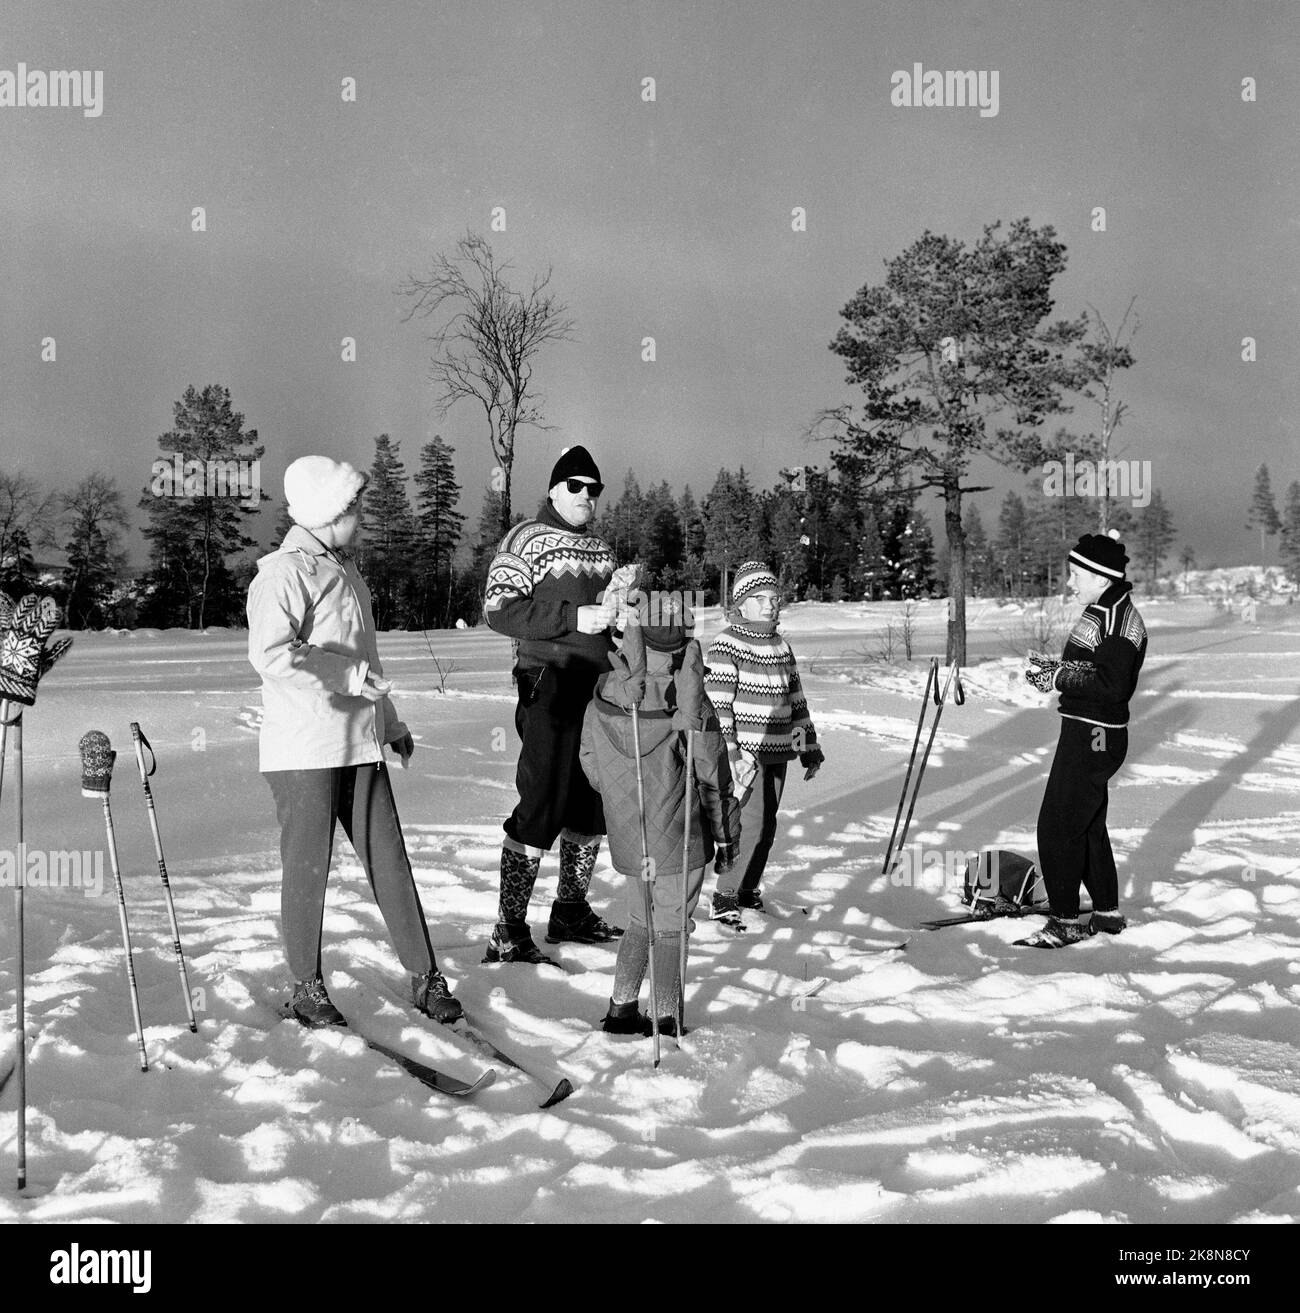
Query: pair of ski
[97, 757]
[443, 1082]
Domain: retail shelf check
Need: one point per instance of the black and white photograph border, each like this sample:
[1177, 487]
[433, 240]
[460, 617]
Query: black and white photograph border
[666, 490]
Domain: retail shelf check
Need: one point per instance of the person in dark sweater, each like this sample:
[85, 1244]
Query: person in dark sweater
[1096, 677]
[552, 587]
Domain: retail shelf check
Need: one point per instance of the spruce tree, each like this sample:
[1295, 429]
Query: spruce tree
[1290, 548]
[386, 547]
[1011, 543]
[1263, 510]
[979, 556]
[439, 526]
[1153, 537]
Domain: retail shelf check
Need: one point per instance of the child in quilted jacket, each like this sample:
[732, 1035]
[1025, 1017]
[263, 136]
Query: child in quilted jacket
[661, 672]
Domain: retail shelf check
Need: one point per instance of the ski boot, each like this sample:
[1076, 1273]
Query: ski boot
[512, 942]
[625, 1019]
[311, 1004]
[431, 995]
[1107, 923]
[1055, 934]
[726, 911]
[578, 923]
[750, 899]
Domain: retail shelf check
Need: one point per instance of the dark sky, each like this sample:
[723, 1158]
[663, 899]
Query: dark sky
[669, 219]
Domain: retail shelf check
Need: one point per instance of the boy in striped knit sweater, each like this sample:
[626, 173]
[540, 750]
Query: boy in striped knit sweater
[753, 684]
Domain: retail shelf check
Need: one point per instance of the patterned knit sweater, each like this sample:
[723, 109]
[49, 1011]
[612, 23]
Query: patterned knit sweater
[544, 570]
[1111, 636]
[753, 683]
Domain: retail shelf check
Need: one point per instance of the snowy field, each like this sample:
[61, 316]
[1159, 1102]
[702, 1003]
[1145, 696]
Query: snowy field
[1150, 1078]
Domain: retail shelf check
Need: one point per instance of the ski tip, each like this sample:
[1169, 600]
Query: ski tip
[559, 1093]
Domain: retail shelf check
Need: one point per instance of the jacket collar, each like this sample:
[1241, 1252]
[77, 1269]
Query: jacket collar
[303, 540]
[549, 515]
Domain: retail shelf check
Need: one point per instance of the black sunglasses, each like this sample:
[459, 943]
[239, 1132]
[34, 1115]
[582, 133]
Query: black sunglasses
[575, 486]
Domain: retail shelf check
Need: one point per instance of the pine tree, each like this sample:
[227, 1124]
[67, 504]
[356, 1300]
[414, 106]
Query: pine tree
[194, 529]
[1263, 510]
[439, 526]
[1290, 549]
[386, 549]
[1154, 535]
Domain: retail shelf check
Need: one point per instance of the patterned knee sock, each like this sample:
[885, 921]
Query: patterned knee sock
[630, 965]
[518, 875]
[577, 862]
[668, 974]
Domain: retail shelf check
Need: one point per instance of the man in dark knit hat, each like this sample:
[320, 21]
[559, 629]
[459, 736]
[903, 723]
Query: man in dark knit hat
[1096, 677]
[549, 589]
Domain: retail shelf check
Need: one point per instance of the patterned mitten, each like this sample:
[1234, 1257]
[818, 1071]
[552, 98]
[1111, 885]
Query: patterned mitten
[1043, 674]
[97, 758]
[23, 656]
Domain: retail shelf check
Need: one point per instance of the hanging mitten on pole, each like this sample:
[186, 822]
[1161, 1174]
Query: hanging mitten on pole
[24, 658]
[97, 757]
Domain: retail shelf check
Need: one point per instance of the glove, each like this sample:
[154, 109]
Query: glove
[403, 747]
[724, 857]
[744, 771]
[23, 655]
[811, 760]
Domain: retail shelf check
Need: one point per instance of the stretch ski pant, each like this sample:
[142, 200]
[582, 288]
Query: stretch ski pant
[667, 899]
[1073, 846]
[554, 792]
[757, 828]
[360, 798]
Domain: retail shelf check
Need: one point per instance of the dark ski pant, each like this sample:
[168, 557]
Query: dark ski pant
[757, 828]
[554, 792]
[360, 798]
[1073, 846]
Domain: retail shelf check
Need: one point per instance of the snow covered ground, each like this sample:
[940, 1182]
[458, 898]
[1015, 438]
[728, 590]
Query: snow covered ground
[1152, 1077]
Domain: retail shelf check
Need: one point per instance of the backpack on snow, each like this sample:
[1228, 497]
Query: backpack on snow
[1001, 883]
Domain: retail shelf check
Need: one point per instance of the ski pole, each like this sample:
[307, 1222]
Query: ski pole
[20, 1006]
[647, 880]
[97, 758]
[931, 687]
[140, 742]
[686, 880]
[959, 697]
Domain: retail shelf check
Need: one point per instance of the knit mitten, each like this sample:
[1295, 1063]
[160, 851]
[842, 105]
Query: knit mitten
[577, 862]
[630, 965]
[24, 657]
[518, 875]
